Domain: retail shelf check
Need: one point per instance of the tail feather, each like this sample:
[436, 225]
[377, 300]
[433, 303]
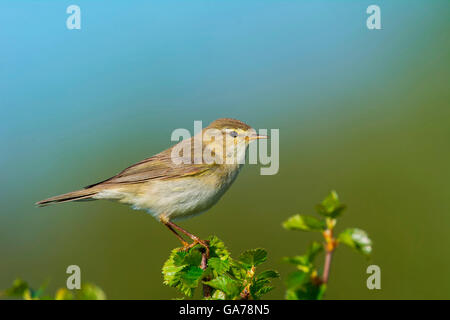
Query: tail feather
[83, 194]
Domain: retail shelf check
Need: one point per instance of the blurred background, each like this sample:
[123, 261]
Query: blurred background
[365, 112]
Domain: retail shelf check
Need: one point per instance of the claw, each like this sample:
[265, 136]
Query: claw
[185, 247]
[173, 227]
[203, 243]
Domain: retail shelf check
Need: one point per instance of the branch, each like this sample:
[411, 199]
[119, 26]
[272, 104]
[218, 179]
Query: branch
[245, 294]
[327, 265]
[330, 246]
[203, 266]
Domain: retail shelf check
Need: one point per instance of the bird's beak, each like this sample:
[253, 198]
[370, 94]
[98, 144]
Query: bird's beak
[257, 136]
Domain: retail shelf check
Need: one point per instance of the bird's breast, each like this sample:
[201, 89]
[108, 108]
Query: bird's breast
[184, 197]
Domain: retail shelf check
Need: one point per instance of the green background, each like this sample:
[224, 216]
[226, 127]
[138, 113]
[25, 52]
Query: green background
[363, 112]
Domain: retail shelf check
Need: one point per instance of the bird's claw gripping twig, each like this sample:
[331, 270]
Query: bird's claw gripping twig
[203, 243]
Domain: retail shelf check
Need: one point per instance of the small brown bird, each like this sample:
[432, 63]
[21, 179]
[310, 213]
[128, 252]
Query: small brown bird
[180, 182]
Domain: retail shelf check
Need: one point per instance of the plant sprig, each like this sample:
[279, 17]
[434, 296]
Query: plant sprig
[228, 278]
[305, 283]
[21, 289]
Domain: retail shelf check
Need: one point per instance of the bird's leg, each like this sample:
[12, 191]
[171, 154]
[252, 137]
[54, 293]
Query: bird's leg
[184, 243]
[196, 240]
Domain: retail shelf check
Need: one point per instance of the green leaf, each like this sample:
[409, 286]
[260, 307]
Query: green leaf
[171, 270]
[268, 274]
[314, 249]
[296, 279]
[304, 223]
[177, 256]
[331, 206]
[64, 294]
[182, 270]
[238, 269]
[218, 295]
[257, 291]
[90, 291]
[291, 295]
[263, 291]
[219, 265]
[18, 289]
[259, 284]
[253, 257]
[21, 289]
[192, 258]
[356, 239]
[186, 290]
[230, 287]
[191, 275]
[308, 291]
[217, 248]
[305, 262]
[301, 262]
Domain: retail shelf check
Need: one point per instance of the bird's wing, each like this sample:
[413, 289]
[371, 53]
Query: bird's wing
[160, 166]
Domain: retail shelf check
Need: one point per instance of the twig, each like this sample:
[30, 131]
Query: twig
[245, 294]
[327, 265]
[203, 266]
[330, 246]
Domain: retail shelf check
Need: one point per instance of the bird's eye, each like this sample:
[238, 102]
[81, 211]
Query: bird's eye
[234, 134]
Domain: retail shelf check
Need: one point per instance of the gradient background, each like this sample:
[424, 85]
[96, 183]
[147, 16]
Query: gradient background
[363, 112]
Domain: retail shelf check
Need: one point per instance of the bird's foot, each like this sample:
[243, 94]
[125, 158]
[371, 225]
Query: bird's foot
[185, 246]
[203, 243]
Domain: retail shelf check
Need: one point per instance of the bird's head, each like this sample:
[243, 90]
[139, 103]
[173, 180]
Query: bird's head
[228, 139]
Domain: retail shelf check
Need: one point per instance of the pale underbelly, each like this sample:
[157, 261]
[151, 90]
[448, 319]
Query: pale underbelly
[175, 199]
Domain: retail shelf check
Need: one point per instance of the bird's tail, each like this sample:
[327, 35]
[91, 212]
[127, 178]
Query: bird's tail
[83, 194]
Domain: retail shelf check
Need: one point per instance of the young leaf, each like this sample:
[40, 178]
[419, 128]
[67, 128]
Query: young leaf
[253, 257]
[192, 258]
[357, 239]
[314, 249]
[172, 267]
[302, 262]
[308, 291]
[217, 248]
[256, 294]
[18, 289]
[191, 275]
[260, 287]
[182, 270]
[219, 265]
[91, 292]
[304, 223]
[64, 294]
[238, 270]
[230, 287]
[268, 274]
[331, 206]
[218, 295]
[296, 279]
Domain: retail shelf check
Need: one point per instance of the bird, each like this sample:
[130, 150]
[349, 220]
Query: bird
[180, 182]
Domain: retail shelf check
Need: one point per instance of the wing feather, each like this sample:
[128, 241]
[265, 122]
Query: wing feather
[159, 166]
